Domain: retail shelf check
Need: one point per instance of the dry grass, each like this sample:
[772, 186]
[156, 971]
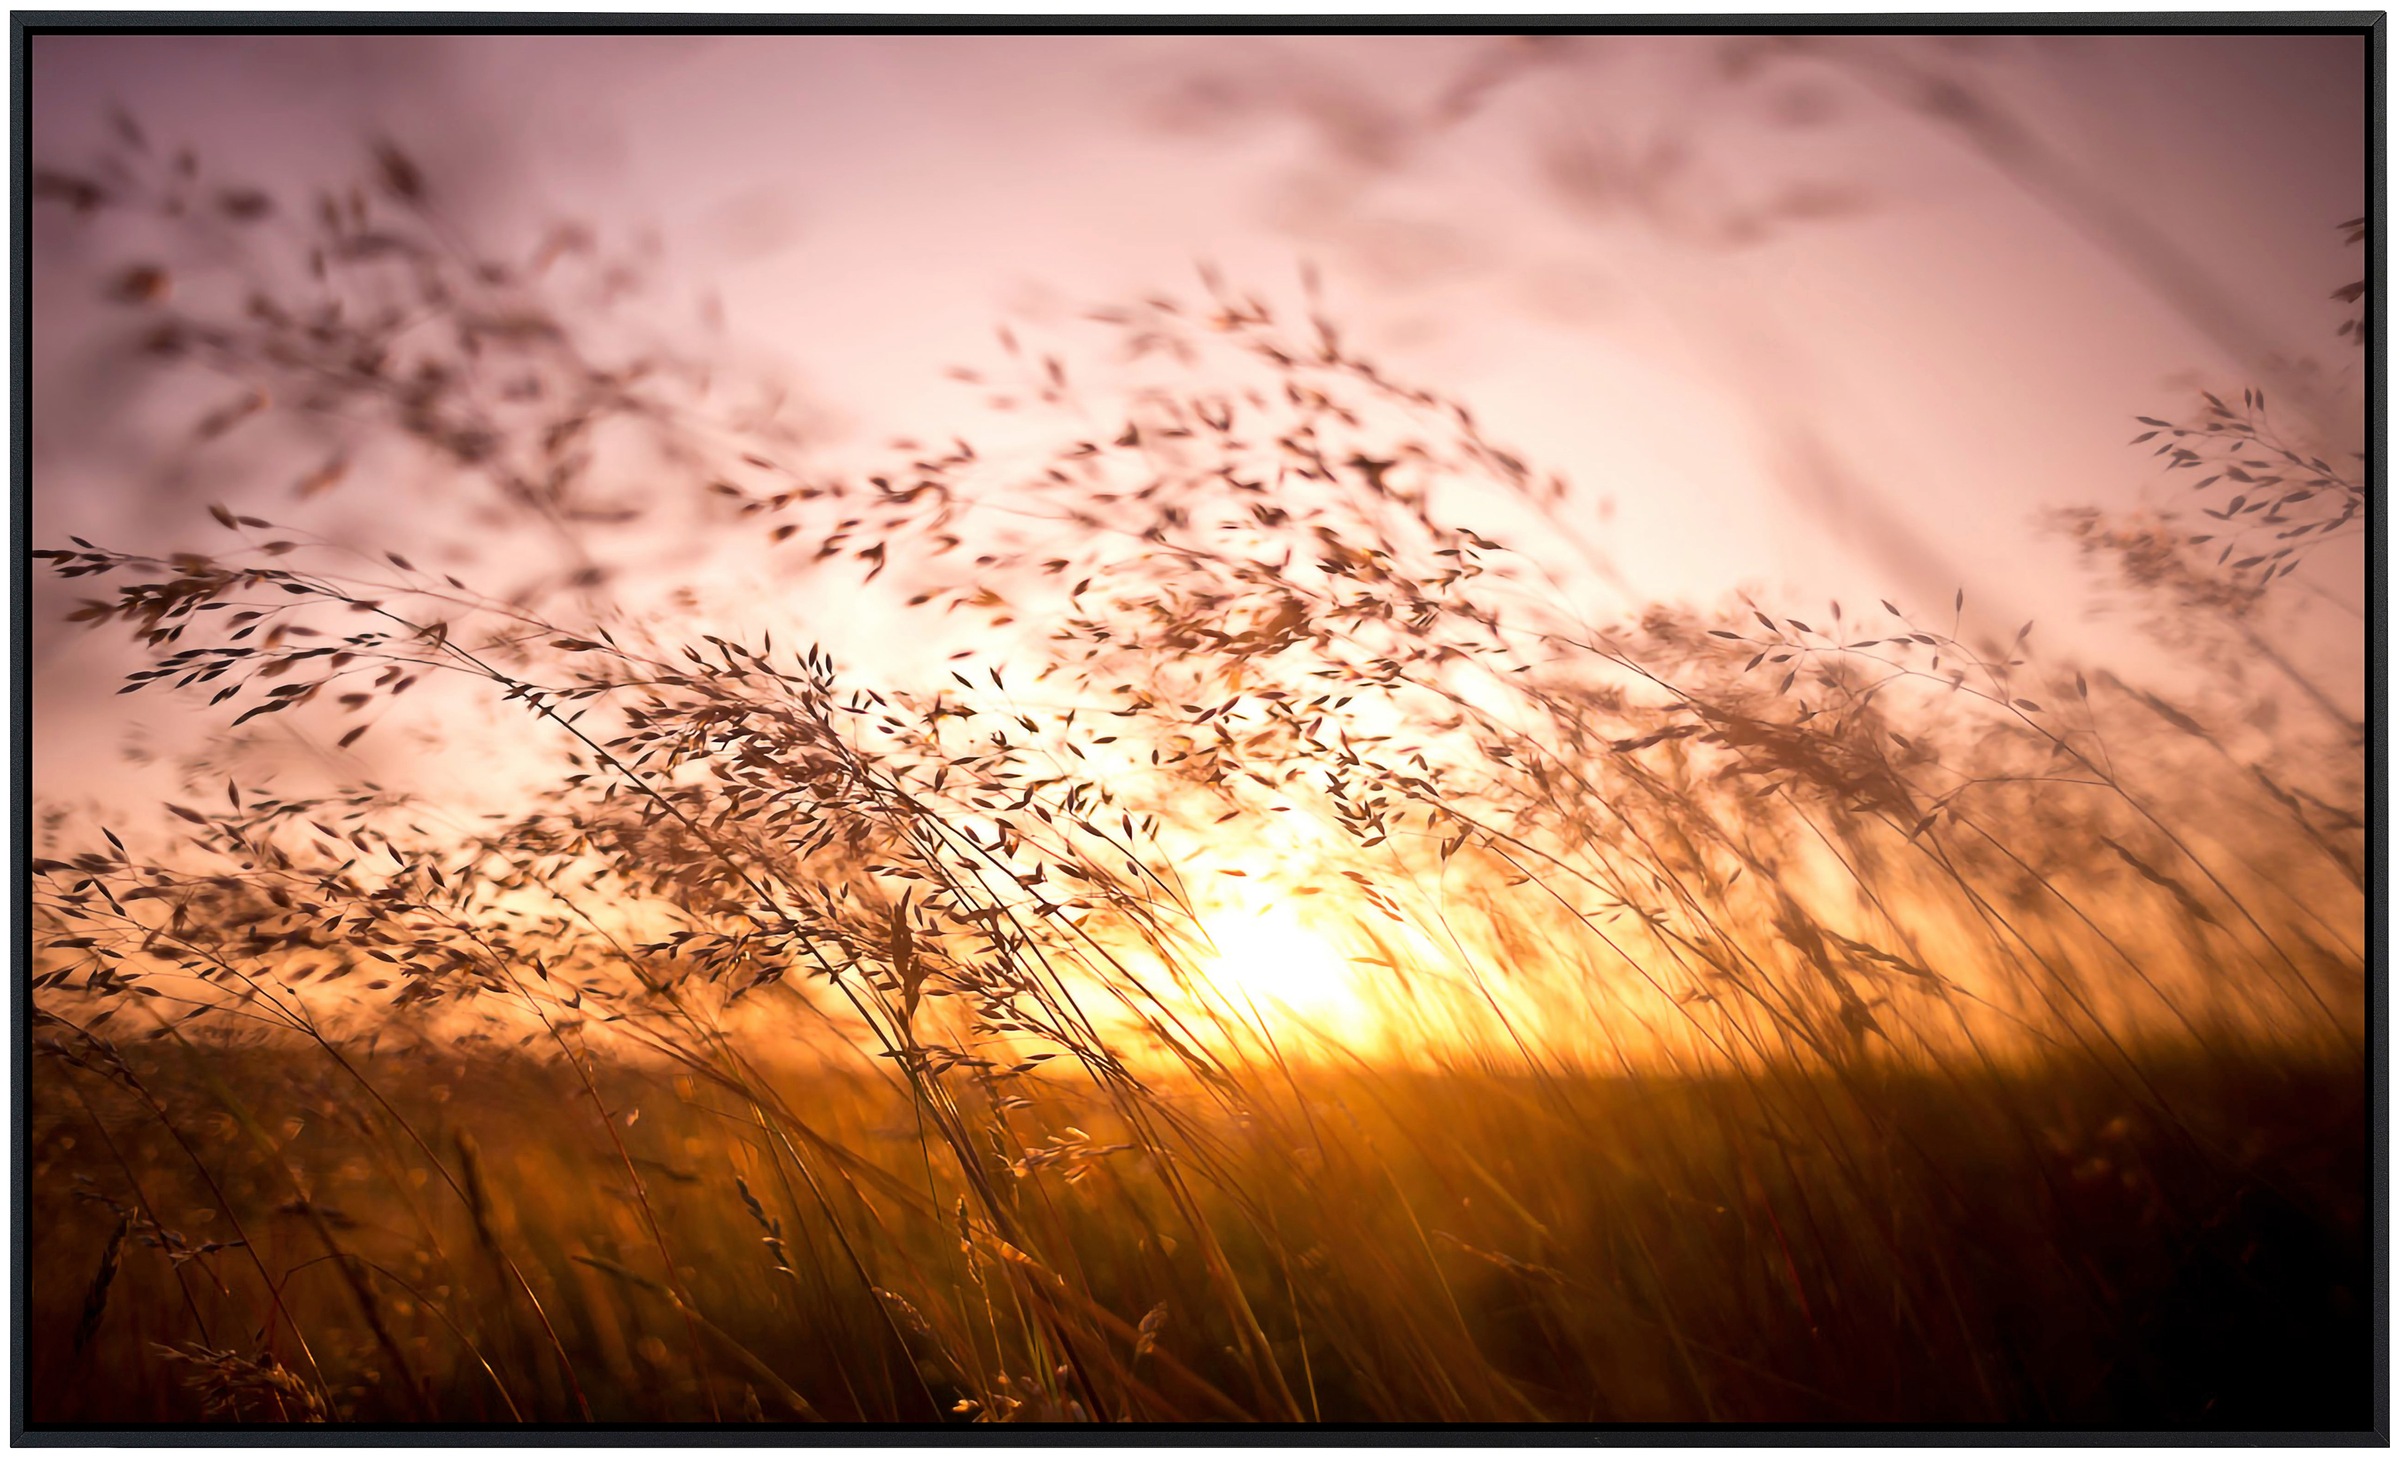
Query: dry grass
[1855, 1019]
[1412, 1248]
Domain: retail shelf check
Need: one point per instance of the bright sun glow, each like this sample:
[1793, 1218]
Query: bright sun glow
[1272, 961]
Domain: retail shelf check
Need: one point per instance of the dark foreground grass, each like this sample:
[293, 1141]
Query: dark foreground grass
[2054, 1245]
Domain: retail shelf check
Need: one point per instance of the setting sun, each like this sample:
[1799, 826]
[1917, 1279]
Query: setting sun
[1269, 959]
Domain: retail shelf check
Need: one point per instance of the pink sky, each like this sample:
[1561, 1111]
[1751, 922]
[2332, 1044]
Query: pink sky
[1873, 402]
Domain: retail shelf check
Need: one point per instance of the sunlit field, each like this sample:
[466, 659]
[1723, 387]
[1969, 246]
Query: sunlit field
[1184, 905]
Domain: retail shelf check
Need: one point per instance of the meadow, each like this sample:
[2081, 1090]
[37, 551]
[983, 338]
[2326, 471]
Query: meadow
[1296, 961]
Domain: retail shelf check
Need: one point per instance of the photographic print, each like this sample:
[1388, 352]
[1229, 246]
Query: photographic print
[1284, 727]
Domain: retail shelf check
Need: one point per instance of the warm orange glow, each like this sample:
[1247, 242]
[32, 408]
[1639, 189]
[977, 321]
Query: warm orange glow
[1271, 962]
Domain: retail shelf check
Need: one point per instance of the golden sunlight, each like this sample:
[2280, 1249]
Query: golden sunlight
[1271, 961]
